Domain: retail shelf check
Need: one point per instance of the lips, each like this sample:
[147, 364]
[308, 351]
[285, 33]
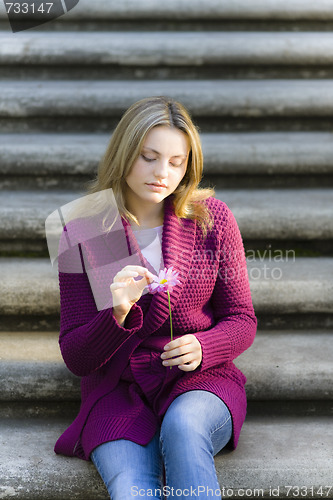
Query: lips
[156, 184]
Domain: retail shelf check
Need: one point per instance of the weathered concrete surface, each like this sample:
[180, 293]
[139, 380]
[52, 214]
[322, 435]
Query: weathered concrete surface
[195, 9]
[24, 213]
[234, 98]
[271, 454]
[278, 285]
[30, 346]
[38, 381]
[165, 48]
[31, 368]
[293, 214]
[279, 452]
[267, 153]
[51, 154]
[30, 469]
[29, 286]
[281, 365]
[289, 365]
[300, 285]
[250, 153]
[282, 213]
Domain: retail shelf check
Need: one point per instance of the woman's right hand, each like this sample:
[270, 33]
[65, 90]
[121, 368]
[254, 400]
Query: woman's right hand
[126, 291]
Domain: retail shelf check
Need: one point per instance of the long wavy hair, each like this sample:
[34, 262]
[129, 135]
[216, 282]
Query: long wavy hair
[125, 147]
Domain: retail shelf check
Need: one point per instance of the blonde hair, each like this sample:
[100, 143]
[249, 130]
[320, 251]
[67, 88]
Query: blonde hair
[125, 147]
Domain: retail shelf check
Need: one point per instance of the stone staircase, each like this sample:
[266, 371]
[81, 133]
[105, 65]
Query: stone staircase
[258, 79]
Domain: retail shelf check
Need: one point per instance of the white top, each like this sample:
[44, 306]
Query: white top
[150, 243]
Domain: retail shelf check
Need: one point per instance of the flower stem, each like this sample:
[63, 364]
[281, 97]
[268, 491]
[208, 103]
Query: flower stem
[170, 318]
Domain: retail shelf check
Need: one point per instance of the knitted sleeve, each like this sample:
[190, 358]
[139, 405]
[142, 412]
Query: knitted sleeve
[235, 321]
[88, 337]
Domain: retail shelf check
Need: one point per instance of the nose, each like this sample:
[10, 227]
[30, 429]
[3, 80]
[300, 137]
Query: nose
[161, 168]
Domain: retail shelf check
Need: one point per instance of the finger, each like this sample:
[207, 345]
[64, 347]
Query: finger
[141, 284]
[180, 360]
[184, 340]
[178, 351]
[116, 286]
[128, 274]
[138, 269]
[189, 367]
[125, 275]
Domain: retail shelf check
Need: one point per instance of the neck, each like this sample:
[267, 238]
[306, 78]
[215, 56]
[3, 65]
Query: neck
[151, 216]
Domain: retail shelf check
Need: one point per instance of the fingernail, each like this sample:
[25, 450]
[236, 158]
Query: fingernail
[166, 347]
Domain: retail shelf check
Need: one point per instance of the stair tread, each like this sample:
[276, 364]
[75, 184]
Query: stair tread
[224, 153]
[295, 212]
[277, 367]
[281, 451]
[302, 285]
[208, 98]
[196, 10]
[167, 48]
[283, 367]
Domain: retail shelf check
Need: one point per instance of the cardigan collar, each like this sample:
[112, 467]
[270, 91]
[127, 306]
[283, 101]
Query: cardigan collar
[178, 240]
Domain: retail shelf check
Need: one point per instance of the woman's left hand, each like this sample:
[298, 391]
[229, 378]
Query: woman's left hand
[187, 350]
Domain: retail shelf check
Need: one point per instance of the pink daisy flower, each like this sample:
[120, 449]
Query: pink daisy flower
[164, 282]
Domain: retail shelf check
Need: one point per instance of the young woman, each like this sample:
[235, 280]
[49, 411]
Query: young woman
[147, 428]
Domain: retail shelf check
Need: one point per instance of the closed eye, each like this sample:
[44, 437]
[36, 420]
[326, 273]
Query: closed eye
[153, 159]
[147, 159]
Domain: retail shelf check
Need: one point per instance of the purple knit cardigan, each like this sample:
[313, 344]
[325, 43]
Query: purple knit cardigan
[125, 389]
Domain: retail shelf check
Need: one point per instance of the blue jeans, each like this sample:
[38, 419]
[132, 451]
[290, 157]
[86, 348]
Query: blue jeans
[196, 426]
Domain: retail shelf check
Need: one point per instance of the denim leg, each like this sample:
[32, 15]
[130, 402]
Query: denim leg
[127, 467]
[196, 426]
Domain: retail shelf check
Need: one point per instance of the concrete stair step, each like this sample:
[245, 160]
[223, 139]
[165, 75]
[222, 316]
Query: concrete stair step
[281, 214]
[166, 48]
[295, 214]
[252, 153]
[196, 10]
[283, 452]
[204, 98]
[279, 285]
[277, 367]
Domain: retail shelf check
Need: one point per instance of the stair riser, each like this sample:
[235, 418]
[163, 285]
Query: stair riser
[193, 49]
[234, 99]
[223, 181]
[295, 215]
[109, 73]
[54, 383]
[265, 321]
[224, 154]
[79, 124]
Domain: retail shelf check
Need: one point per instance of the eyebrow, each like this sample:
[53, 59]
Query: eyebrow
[174, 156]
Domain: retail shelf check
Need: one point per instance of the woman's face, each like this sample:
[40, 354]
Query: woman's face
[159, 168]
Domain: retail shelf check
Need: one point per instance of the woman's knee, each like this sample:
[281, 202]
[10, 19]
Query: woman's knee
[197, 416]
